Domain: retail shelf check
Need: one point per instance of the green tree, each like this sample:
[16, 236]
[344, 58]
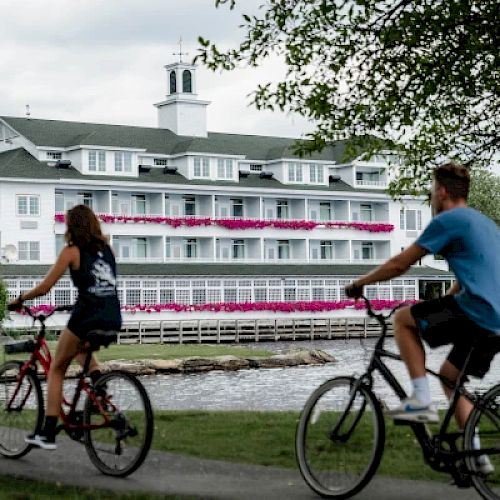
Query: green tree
[3, 301]
[420, 75]
[484, 194]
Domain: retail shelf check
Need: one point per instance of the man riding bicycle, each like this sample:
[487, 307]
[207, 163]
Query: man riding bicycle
[470, 243]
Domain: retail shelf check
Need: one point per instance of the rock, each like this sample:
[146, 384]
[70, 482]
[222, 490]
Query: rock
[166, 365]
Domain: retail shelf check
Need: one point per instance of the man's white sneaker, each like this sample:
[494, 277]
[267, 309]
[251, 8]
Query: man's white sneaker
[484, 465]
[41, 440]
[411, 410]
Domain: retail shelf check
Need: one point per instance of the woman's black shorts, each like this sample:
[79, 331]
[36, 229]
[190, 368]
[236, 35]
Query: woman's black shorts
[442, 321]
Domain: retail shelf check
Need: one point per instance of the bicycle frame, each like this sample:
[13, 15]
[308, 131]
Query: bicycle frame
[41, 354]
[437, 457]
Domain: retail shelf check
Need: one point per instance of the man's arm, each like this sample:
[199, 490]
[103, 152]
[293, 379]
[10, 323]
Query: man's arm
[395, 266]
[454, 289]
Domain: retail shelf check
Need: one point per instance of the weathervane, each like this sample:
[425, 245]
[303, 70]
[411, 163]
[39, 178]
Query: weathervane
[180, 53]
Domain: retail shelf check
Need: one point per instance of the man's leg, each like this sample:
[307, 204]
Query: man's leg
[464, 406]
[418, 407]
[409, 343]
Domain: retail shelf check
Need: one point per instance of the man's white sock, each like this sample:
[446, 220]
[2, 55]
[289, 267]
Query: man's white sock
[421, 390]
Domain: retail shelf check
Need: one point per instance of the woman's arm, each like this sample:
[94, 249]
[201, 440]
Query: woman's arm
[454, 289]
[67, 257]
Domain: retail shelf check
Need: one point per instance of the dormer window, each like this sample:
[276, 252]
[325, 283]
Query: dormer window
[160, 162]
[97, 161]
[201, 167]
[54, 155]
[173, 82]
[316, 174]
[187, 82]
[123, 161]
[224, 169]
[295, 172]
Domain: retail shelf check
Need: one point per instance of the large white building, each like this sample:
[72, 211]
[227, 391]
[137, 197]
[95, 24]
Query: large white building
[197, 217]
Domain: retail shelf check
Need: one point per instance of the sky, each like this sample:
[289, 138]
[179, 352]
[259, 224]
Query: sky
[102, 61]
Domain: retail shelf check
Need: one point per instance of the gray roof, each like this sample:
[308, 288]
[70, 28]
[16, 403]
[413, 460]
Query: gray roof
[20, 163]
[57, 133]
[228, 269]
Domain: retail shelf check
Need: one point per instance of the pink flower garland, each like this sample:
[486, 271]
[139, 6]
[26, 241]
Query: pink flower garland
[240, 223]
[299, 306]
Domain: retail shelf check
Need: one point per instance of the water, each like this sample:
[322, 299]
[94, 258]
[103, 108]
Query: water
[288, 388]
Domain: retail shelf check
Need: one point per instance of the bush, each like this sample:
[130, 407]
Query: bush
[3, 301]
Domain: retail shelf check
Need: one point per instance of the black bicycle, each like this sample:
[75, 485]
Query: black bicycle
[341, 431]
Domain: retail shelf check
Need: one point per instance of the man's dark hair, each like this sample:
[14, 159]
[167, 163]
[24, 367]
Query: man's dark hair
[454, 178]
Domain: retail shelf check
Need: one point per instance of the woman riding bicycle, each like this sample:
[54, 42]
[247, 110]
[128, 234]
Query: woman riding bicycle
[92, 267]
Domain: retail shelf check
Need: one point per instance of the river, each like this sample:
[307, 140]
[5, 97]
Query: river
[288, 388]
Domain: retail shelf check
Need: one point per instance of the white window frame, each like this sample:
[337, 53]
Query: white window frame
[85, 198]
[201, 167]
[295, 173]
[137, 200]
[224, 169]
[366, 208]
[54, 155]
[191, 248]
[367, 245]
[191, 202]
[238, 249]
[123, 161]
[282, 206]
[283, 249]
[323, 205]
[28, 251]
[316, 173]
[326, 250]
[29, 198]
[237, 202]
[403, 219]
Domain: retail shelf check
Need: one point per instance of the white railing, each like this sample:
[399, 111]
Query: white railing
[371, 183]
[201, 260]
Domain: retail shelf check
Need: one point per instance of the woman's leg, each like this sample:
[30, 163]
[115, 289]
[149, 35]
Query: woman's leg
[93, 366]
[68, 346]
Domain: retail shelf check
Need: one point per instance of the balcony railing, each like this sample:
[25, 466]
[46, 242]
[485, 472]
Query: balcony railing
[366, 183]
[242, 224]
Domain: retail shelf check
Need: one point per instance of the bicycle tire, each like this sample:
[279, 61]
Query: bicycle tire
[27, 417]
[326, 433]
[128, 404]
[484, 417]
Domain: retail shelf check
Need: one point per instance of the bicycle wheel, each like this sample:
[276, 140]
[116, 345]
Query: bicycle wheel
[340, 438]
[21, 409]
[485, 419]
[120, 448]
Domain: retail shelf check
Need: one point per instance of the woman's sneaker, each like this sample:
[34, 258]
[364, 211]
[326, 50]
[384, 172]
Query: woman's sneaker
[411, 410]
[42, 441]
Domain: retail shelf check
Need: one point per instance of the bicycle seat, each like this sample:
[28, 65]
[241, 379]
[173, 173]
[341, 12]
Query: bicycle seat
[101, 338]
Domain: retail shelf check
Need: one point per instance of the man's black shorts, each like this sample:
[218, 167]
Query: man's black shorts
[441, 321]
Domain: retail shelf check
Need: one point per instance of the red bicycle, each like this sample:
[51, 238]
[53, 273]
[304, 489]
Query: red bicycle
[113, 418]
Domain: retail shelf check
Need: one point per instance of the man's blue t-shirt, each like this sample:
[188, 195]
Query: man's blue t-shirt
[470, 242]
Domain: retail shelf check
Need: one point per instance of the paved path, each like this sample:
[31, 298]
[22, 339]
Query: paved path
[166, 473]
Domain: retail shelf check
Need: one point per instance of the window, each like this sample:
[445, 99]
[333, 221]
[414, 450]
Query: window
[140, 247]
[254, 167]
[167, 205]
[160, 162]
[367, 250]
[123, 161]
[59, 202]
[187, 81]
[295, 172]
[189, 205]
[236, 207]
[115, 204]
[411, 220]
[190, 248]
[224, 169]
[325, 211]
[85, 199]
[28, 204]
[238, 249]
[326, 250]
[173, 82]
[283, 249]
[29, 250]
[168, 248]
[201, 167]
[316, 174]
[59, 243]
[97, 161]
[54, 155]
[281, 209]
[366, 212]
[139, 204]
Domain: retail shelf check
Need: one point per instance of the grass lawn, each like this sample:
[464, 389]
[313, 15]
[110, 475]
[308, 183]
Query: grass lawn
[164, 351]
[25, 489]
[267, 438]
